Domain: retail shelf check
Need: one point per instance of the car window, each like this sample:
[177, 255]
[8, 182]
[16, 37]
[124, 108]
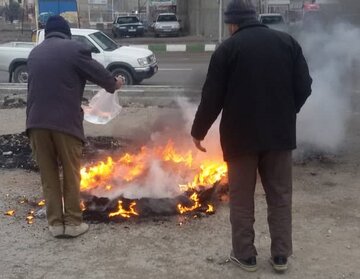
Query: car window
[167, 18]
[83, 40]
[104, 41]
[126, 20]
[271, 19]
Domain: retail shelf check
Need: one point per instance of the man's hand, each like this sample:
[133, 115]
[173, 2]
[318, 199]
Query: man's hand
[119, 82]
[198, 145]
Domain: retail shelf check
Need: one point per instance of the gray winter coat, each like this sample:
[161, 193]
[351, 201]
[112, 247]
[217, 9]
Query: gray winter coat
[58, 70]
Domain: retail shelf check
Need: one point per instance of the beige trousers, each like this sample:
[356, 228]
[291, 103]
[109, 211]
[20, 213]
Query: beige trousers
[51, 150]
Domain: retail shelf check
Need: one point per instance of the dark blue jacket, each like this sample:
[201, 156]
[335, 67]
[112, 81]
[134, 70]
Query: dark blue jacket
[58, 70]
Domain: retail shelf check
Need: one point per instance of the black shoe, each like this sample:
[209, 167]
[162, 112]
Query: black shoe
[248, 264]
[279, 263]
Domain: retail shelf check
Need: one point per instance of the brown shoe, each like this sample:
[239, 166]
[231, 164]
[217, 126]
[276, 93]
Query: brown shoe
[57, 231]
[74, 231]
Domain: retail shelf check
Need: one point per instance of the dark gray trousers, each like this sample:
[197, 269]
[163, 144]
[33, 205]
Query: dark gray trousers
[275, 169]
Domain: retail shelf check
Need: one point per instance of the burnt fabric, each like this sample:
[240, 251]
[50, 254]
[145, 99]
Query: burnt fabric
[53, 150]
[275, 170]
[259, 79]
[58, 69]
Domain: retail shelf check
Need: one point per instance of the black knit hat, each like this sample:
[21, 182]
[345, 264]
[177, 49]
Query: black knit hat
[57, 24]
[239, 11]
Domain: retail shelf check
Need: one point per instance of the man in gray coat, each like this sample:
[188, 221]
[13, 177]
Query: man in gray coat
[259, 79]
[58, 70]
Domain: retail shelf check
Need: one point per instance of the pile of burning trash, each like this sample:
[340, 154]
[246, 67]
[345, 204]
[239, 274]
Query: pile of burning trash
[155, 181]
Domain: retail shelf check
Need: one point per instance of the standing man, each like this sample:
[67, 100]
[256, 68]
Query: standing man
[58, 70]
[259, 79]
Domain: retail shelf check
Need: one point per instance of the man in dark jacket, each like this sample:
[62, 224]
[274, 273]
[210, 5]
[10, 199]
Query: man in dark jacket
[259, 79]
[58, 69]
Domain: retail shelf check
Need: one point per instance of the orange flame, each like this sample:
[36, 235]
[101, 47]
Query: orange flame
[41, 203]
[82, 205]
[123, 212]
[10, 213]
[210, 209]
[30, 219]
[95, 175]
[183, 209]
[169, 154]
[210, 173]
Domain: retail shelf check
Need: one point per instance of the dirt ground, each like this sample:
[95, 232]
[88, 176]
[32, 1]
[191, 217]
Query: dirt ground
[326, 224]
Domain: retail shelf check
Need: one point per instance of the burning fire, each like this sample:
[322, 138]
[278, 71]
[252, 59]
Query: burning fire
[183, 209]
[10, 213]
[123, 212]
[108, 175]
[41, 203]
[30, 217]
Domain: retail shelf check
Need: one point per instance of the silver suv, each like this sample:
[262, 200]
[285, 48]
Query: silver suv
[166, 24]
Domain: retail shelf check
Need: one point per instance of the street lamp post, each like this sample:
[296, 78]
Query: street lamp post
[112, 10]
[220, 20]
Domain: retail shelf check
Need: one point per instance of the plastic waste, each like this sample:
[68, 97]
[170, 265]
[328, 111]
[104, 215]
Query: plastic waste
[102, 108]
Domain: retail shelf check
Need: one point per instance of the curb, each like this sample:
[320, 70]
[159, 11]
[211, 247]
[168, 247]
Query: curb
[194, 47]
[135, 95]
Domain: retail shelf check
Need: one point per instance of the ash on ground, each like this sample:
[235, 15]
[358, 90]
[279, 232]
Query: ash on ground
[15, 150]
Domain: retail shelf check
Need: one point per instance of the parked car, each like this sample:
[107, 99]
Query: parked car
[274, 21]
[131, 63]
[127, 26]
[166, 24]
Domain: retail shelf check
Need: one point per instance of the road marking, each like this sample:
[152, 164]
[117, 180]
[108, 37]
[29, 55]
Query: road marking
[210, 47]
[175, 47]
[174, 69]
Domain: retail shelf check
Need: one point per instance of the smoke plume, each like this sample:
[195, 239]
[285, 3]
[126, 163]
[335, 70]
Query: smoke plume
[331, 54]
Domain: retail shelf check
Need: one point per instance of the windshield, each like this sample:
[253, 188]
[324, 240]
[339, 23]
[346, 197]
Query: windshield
[104, 41]
[127, 20]
[271, 20]
[166, 18]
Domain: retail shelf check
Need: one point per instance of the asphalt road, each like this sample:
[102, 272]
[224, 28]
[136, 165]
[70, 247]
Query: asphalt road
[177, 69]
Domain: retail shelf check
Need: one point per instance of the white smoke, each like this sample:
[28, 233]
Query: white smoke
[160, 180]
[331, 54]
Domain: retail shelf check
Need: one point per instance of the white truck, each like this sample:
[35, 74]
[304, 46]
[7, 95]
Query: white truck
[133, 64]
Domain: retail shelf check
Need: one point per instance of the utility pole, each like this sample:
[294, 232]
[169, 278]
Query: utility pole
[220, 20]
[266, 7]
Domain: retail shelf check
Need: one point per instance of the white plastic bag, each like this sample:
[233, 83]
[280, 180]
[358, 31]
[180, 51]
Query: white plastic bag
[102, 108]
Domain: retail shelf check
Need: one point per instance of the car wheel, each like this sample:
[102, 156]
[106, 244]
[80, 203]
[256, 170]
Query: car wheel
[114, 34]
[21, 74]
[124, 74]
